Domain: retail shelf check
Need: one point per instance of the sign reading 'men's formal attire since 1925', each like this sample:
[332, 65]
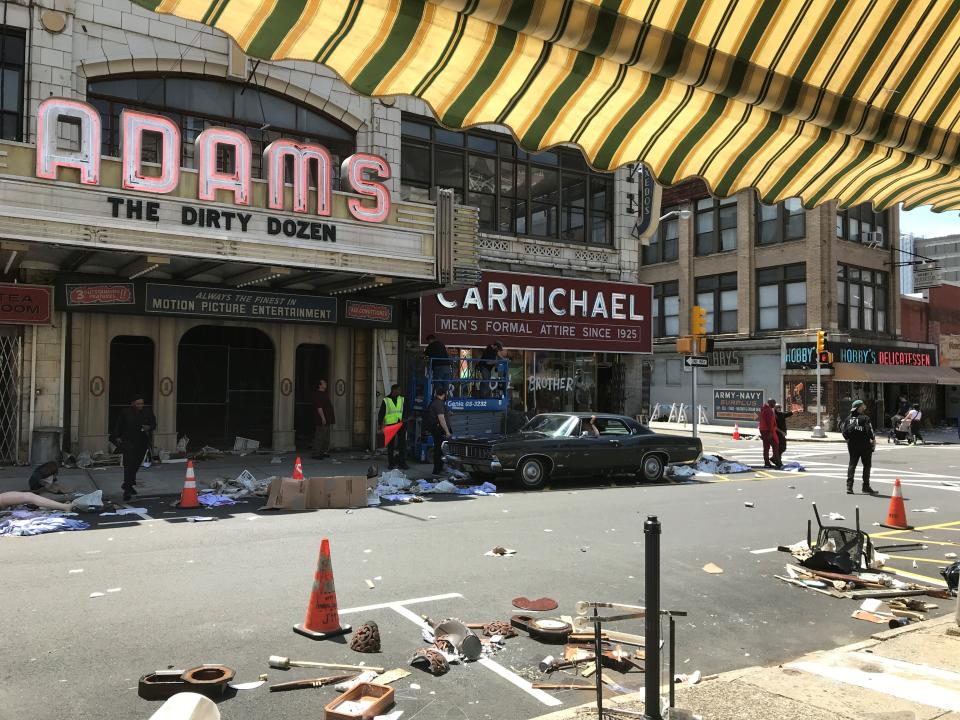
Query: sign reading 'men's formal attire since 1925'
[534, 312]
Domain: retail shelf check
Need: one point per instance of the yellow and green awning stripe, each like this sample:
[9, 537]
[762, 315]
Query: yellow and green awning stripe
[853, 100]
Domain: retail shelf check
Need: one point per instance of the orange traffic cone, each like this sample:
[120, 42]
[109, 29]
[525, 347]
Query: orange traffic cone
[188, 496]
[298, 469]
[897, 514]
[323, 616]
[736, 431]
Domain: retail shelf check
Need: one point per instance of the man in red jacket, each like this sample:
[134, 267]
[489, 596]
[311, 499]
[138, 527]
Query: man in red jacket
[768, 433]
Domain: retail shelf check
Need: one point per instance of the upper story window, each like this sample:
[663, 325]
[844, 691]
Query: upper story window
[195, 104]
[782, 297]
[716, 225]
[666, 309]
[861, 224]
[11, 83]
[717, 294]
[781, 222]
[862, 299]
[664, 246]
[550, 194]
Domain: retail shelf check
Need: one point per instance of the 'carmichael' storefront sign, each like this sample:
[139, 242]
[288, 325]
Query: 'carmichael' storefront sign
[534, 312]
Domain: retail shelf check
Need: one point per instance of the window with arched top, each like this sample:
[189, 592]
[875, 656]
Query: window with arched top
[196, 103]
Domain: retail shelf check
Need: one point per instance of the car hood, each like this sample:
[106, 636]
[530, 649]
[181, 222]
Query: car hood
[499, 439]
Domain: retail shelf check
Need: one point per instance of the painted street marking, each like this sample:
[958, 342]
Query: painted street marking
[916, 683]
[413, 601]
[401, 609]
[916, 576]
[919, 559]
[524, 685]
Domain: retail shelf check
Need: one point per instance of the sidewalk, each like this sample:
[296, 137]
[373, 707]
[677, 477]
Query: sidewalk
[935, 436]
[904, 674]
[167, 478]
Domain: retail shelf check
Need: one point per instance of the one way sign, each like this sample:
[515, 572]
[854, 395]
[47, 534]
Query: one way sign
[695, 361]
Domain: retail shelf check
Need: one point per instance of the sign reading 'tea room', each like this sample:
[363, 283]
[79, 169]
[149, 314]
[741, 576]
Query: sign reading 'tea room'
[535, 312]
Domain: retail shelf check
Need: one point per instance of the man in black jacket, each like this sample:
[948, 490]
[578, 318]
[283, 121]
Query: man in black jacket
[132, 435]
[861, 442]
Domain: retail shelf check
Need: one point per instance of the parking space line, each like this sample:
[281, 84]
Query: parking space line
[400, 608]
[412, 601]
[916, 576]
[524, 685]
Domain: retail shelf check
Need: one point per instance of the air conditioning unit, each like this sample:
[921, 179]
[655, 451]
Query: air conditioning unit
[873, 238]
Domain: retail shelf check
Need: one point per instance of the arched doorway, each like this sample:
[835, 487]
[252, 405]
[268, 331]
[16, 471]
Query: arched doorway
[131, 373]
[225, 386]
[313, 365]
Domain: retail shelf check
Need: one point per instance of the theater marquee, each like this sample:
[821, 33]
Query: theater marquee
[534, 312]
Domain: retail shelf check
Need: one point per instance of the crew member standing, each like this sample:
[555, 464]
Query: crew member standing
[781, 429]
[438, 359]
[861, 442]
[325, 419]
[131, 434]
[768, 433]
[488, 363]
[392, 412]
[438, 423]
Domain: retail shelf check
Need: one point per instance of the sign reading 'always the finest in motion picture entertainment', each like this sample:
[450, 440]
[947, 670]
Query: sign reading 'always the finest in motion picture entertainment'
[533, 312]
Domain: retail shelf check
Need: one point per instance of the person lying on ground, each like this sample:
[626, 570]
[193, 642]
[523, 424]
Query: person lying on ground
[44, 479]
[12, 499]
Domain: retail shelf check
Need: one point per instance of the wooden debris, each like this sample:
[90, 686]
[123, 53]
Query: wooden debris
[391, 676]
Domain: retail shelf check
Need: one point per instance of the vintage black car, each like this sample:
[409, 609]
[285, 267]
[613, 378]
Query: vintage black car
[555, 445]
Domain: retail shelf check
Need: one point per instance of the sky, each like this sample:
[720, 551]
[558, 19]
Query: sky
[924, 223]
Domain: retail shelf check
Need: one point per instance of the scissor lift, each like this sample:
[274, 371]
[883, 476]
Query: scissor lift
[479, 406]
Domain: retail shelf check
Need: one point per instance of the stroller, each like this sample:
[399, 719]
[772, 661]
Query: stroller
[899, 433]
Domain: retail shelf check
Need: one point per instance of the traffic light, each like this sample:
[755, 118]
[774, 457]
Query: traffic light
[821, 341]
[825, 358]
[698, 320]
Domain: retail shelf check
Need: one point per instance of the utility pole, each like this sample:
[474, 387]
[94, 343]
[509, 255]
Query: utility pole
[696, 412]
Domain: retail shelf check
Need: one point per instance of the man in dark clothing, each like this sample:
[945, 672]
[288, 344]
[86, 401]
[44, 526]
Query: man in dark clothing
[488, 363]
[324, 419]
[438, 359]
[132, 435]
[781, 429]
[903, 406]
[393, 411]
[768, 433]
[438, 425]
[44, 479]
[861, 442]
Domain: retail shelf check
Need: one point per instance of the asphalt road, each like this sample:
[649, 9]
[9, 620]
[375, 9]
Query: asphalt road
[229, 590]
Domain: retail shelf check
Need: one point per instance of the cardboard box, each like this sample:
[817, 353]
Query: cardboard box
[345, 491]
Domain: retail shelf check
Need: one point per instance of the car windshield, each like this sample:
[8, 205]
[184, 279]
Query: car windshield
[552, 425]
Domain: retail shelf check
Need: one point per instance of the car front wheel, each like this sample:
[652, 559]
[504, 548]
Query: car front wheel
[651, 469]
[532, 473]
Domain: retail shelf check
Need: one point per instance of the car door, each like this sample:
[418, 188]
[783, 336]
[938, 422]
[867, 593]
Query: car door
[616, 450]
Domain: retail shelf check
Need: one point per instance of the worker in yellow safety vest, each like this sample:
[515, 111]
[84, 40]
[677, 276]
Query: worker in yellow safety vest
[391, 412]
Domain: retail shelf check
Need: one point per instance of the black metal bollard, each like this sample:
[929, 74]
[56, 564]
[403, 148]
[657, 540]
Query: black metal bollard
[651, 679]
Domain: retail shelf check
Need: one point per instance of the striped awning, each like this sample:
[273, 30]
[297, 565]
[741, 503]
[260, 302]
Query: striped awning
[823, 99]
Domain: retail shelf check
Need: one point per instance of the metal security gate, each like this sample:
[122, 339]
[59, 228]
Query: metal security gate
[11, 363]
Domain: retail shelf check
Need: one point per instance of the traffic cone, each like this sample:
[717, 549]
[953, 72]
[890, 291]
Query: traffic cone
[188, 496]
[323, 616]
[390, 431]
[736, 431]
[298, 469]
[897, 514]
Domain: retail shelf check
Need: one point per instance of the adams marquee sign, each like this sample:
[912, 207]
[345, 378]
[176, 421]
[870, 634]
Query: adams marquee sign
[535, 312]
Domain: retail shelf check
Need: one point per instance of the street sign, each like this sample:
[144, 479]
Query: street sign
[695, 361]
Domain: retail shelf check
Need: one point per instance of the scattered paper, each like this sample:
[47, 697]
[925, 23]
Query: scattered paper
[370, 584]
[836, 516]
[395, 715]
[113, 590]
[199, 518]
[799, 496]
[77, 570]
[950, 555]
[871, 605]
[414, 686]
[712, 569]
[929, 510]
[96, 594]
[748, 504]
[246, 686]
[126, 511]
[547, 530]
[501, 551]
